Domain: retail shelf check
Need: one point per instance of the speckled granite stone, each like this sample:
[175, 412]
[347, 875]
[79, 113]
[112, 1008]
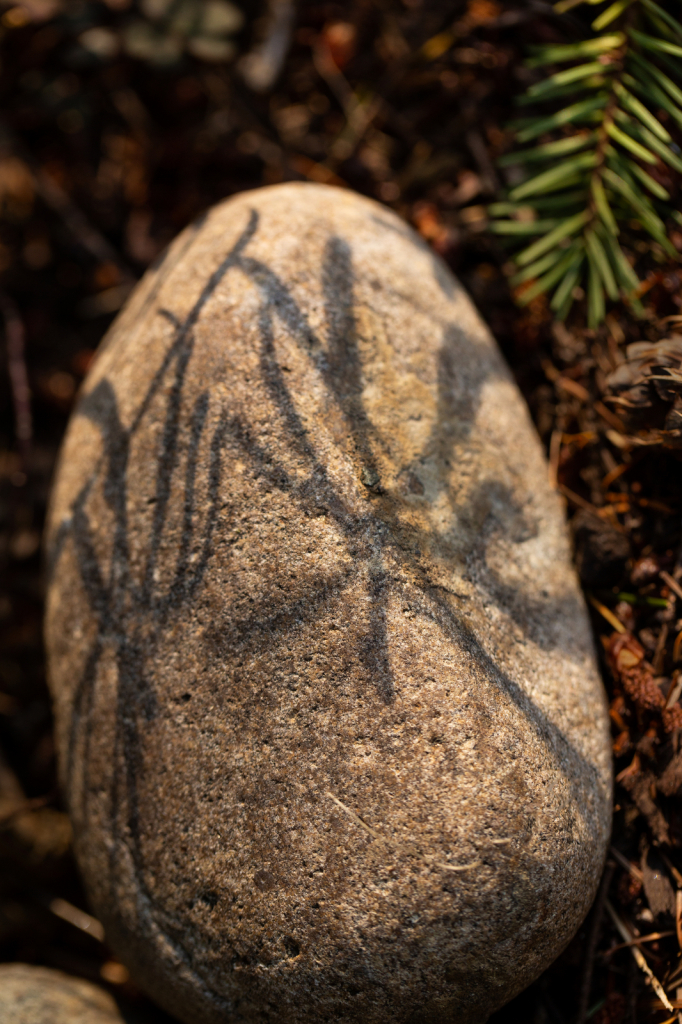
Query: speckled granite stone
[329, 721]
[38, 995]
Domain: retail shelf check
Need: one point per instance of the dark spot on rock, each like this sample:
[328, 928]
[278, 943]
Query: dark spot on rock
[210, 898]
[264, 880]
[291, 946]
[414, 484]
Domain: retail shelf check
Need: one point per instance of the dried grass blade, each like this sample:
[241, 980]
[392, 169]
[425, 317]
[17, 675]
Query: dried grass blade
[639, 957]
[607, 614]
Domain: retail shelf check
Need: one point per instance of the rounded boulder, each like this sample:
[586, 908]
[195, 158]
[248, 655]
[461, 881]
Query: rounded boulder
[39, 995]
[329, 722]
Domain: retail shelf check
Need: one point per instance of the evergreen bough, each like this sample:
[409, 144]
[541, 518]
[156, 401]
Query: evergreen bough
[600, 172]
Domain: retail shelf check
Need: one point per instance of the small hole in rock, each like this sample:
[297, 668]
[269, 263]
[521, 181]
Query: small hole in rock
[210, 898]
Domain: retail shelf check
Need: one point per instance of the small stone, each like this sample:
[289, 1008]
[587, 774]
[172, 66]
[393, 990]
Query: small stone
[329, 721]
[38, 995]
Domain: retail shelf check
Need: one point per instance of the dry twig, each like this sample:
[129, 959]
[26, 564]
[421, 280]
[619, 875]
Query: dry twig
[639, 957]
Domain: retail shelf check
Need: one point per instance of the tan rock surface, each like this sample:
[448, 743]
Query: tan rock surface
[38, 995]
[329, 720]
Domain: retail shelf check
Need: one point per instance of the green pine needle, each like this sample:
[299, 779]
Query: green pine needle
[554, 178]
[562, 147]
[587, 192]
[610, 14]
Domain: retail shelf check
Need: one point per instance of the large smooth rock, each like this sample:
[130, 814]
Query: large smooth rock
[38, 995]
[330, 726]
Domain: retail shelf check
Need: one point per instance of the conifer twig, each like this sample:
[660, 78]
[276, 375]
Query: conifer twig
[601, 162]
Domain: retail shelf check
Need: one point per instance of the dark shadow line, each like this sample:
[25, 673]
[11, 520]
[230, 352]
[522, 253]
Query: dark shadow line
[101, 406]
[88, 564]
[452, 627]
[343, 369]
[273, 379]
[279, 297]
[167, 461]
[374, 644]
[186, 581]
[166, 266]
[214, 478]
[197, 424]
[84, 693]
[313, 493]
[270, 618]
[232, 259]
[170, 317]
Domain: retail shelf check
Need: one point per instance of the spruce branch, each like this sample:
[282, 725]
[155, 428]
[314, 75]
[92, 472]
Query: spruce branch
[605, 168]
